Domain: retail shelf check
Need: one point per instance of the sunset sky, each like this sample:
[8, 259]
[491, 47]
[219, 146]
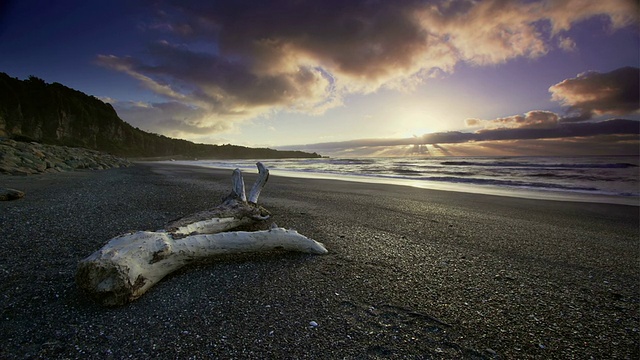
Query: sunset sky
[365, 78]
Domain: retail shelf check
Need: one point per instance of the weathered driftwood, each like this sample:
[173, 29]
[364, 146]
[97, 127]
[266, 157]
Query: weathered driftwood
[128, 265]
[234, 211]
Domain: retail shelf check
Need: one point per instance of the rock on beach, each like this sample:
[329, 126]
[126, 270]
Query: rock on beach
[27, 158]
[10, 194]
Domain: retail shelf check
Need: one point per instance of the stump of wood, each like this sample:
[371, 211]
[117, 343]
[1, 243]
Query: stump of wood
[130, 264]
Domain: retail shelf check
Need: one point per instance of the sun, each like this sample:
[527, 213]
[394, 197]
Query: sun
[419, 120]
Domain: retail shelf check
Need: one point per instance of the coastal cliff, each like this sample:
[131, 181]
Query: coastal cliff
[33, 110]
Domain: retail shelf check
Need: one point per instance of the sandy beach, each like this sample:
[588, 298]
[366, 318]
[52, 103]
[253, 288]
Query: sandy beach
[411, 273]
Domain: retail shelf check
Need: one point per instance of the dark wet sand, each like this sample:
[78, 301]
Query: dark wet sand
[411, 273]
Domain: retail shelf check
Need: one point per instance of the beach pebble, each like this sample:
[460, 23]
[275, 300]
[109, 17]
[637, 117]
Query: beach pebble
[491, 352]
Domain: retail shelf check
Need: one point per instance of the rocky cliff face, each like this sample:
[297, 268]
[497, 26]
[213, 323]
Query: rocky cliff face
[56, 114]
[32, 110]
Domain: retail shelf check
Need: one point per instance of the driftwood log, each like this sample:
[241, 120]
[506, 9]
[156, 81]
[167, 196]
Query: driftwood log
[130, 264]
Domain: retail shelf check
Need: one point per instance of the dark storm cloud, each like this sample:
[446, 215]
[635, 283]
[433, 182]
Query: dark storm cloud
[207, 80]
[592, 93]
[375, 41]
[360, 38]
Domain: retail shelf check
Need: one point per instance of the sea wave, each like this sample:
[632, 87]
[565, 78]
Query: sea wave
[402, 171]
[351, 161]
[511, 183]
[580, 177]
[617, 176]
[541, 165]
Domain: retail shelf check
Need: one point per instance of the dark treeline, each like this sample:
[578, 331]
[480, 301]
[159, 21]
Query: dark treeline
[32, 110]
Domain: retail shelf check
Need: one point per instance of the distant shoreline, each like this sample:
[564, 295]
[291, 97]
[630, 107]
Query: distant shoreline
[435, 185]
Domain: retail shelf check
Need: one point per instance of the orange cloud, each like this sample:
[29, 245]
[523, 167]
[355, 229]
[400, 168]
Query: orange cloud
[532, 119]
[564, 13]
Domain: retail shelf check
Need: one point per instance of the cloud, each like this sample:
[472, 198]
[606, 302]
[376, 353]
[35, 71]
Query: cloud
[107, 99]
[488, 32]
[492, 32]
[564, 13]
[566, 43]
[562, 130]
[613, 137]
[532, 119]
[592, 93]
[577, 146]
[587, 95]
[565, 130]
[171, 118]
[238, 60]
[128, 66]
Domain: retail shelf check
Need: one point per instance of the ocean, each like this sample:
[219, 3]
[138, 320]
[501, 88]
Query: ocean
[609, 179]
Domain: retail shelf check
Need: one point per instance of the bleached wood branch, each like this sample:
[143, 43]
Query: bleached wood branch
[131, 264]
[259, 184]
[233, 212]
[238, 185]
[128, 265]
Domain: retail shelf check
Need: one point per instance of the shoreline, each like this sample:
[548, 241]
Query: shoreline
[410, 273]
[536, 194]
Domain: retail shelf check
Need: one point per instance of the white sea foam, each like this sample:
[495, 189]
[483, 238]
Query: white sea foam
[611, 179]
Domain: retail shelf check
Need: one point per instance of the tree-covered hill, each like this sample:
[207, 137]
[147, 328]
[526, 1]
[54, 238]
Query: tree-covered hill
[55, 114]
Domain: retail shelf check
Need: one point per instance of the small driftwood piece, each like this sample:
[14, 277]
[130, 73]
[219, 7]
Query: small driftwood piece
[130, 264]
